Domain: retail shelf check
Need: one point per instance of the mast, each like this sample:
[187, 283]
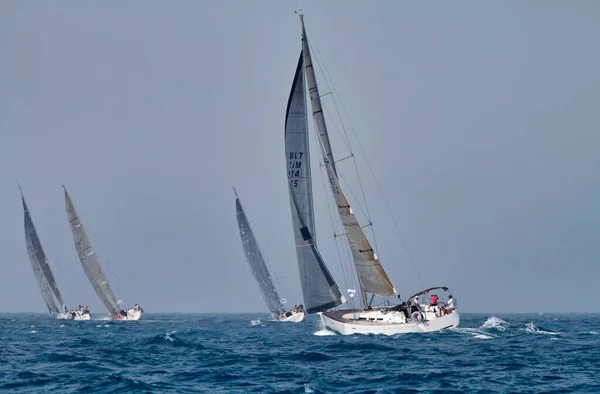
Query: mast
[256, 262]
[371, 275]
[315, 98]
[39, 263]
[89, 259]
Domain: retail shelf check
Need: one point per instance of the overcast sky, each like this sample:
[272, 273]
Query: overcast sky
[480, 120]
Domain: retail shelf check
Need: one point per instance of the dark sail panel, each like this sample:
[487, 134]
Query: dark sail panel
[257, 263]
[318, 286]
[39, 263]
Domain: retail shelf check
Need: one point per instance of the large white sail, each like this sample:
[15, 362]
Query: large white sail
[257, 263]
[89, 260]
[373, 278]
[39, 263]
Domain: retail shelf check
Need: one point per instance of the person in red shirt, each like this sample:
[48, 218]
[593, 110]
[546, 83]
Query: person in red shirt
[434, 299]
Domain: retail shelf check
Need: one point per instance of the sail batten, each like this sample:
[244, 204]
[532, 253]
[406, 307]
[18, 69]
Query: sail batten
[372, 277]
[257, 263]
[39, 263]
[89, 260]
[319, 290]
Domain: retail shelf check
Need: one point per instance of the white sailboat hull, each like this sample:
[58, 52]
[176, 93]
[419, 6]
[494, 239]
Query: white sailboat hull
[74, 315]
[132, 314]
[387, 322]
[295, 317]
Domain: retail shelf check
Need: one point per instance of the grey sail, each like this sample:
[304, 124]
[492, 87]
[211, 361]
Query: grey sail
[39, 263]
[318, 286]
[89, 260]
[257, 263]
[372, 277]
[297, 152]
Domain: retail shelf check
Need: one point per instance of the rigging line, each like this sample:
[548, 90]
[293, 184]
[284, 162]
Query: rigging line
[104, 256]
[68, 281]
[272, 272]
[336, 93]
[342, 178]
[335, 126]
[385, 201]
[331, 216]
[327, 76]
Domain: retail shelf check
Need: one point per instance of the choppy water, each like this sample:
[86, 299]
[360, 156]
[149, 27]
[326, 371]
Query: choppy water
[188, 353]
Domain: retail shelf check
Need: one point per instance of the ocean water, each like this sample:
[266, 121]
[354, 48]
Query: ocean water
[249, 353]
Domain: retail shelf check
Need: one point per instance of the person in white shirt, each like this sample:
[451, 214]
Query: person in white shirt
[450, 305]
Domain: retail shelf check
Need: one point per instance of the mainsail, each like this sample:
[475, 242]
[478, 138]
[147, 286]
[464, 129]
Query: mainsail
[319, 290]
[373, 278]
[89, 260]
[39, 263]
[257, 262]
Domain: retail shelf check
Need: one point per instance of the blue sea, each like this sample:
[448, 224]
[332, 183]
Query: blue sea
[249, 353]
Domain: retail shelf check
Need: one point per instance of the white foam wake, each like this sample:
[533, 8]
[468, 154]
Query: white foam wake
[322, 331]
[494, 323]
[477, 333]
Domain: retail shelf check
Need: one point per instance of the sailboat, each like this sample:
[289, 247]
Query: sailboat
[93, 269]
[321, 292]
[259, 270]
[43, 273]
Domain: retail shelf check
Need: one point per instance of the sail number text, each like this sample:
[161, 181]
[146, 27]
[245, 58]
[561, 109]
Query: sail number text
[294, 166]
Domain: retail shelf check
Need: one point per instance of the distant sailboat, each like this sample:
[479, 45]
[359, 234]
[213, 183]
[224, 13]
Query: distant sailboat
[259, 270]
[93, 270]
[43, 273]
[320, 291]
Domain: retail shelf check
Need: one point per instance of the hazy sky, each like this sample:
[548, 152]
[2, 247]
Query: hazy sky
[480, 119]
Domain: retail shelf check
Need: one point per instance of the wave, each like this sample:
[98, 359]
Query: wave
[171, 339]
[533, 329]
[494, 323]
[476, 333]
[324, 333]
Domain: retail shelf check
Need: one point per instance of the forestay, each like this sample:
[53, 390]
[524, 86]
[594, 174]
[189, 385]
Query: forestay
[257, 263]
[89, 260]
[373, 278]
[39, 263]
